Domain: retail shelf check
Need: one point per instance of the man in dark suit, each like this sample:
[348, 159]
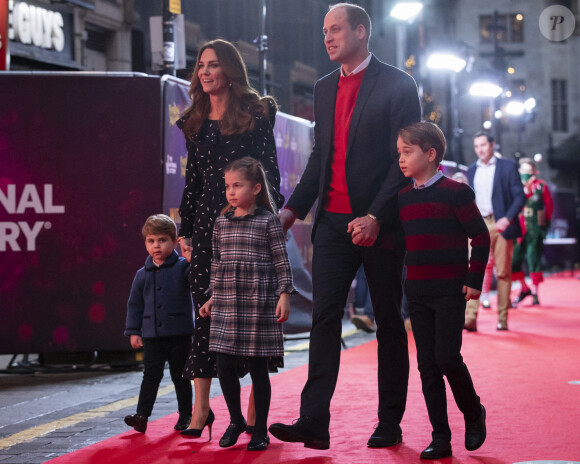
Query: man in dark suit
[353, 173]
[500, 197]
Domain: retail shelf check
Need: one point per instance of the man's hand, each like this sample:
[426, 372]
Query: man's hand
[502, 224]
[287, 218]
[364, 231]
[470, 293]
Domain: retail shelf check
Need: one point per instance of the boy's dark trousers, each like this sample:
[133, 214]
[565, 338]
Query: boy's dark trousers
[155, 352]
[438, 329]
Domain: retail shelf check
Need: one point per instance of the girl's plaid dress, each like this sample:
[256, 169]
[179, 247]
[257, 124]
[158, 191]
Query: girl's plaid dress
[250, 269]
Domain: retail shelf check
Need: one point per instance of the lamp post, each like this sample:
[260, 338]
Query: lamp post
[523, 112]
[491, 90]
[450, 62]
[405, 13]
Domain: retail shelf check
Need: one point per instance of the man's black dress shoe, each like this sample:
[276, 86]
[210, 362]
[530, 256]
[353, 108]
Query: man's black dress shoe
[258, 443]
[437, 449]
[304, 430]
[475, 432]
[137, 421]
[183, 422]
[384, 436]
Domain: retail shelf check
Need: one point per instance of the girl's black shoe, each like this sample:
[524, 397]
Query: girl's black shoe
[232, 434]
[197, 432]
[258, 443]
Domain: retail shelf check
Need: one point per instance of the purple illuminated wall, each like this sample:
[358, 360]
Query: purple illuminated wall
[80, 170]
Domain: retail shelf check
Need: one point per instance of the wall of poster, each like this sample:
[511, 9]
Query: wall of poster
[80, 170]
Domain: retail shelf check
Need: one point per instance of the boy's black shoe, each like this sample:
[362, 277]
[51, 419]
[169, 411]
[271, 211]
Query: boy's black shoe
[475, 432]
[304, 430]
[437, 449]
[137, 421]
[384, 437]
[183, 422]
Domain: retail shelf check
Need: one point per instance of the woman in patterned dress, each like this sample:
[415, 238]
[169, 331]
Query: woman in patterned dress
[227, 120]
[251, 284]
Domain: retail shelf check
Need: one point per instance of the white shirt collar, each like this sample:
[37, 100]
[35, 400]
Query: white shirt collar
[491, 162]
[359, 68]
[429, 183]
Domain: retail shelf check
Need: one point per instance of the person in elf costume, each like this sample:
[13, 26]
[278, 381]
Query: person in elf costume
[534, 220]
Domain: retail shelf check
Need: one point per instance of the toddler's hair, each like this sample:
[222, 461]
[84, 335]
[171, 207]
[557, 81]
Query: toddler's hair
[253, 171]
[426, 135]
[159, 224]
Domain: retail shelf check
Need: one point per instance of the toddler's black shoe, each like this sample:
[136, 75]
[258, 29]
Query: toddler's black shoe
[137, 421]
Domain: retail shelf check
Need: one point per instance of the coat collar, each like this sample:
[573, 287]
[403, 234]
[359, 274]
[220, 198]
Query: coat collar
[170, 261]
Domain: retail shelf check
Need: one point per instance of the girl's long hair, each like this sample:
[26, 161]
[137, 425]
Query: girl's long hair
[253, 171]
[244, 102]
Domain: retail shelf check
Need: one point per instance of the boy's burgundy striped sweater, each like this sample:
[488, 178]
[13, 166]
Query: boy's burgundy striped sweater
[438, 220]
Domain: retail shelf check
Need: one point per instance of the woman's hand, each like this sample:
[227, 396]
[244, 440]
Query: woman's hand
[186, 248]
[205, 310]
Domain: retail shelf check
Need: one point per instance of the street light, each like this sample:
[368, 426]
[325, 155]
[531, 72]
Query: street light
[446, 61]
[515, 108]
[405, 13]
[485, 89]
[451, 62]
[523, 112]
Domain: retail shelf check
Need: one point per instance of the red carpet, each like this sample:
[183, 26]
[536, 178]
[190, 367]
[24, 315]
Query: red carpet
[523, 377]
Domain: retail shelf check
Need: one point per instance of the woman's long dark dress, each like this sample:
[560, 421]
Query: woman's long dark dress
[203, 199]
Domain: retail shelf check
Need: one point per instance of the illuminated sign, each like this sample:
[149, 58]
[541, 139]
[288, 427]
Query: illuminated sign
[38, 26]
[41, 34]
[22, 235]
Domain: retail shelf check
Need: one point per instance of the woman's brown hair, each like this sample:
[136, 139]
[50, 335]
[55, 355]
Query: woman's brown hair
[244, 102]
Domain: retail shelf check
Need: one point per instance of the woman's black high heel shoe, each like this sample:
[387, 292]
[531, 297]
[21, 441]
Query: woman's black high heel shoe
[197, 432]
[232, 434]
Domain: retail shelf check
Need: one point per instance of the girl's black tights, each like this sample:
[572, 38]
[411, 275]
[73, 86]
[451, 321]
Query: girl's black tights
[230, 383]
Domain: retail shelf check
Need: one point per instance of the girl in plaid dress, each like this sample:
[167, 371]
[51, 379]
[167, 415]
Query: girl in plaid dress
[251, 284]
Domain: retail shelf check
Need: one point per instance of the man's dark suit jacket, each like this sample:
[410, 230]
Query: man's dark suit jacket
[507, 197]
[387, 101]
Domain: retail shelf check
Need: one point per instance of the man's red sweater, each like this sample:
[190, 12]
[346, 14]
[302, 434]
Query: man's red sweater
[348, 87]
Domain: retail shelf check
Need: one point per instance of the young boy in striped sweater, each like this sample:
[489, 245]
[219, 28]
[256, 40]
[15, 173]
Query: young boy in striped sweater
[439, 215]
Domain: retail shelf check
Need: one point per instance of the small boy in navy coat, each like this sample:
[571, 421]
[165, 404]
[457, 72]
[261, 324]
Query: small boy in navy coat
[160, 320]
